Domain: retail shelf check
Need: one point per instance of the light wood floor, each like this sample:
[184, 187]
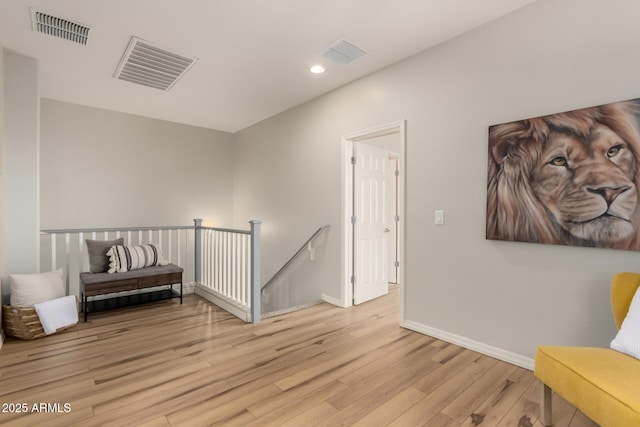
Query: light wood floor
[193, 365]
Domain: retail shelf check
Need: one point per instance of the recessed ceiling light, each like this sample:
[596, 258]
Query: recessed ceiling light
[317, 69]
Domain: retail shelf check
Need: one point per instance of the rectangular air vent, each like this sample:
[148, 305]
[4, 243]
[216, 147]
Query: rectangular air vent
[343, 52]
[58, 27]
[149, 65]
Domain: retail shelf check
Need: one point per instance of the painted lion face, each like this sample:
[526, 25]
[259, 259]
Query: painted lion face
[570, 178]
[586, 184]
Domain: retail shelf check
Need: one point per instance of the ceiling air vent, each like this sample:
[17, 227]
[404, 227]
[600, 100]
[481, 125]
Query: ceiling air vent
[343, 52]
[149, 65]
[58, 27]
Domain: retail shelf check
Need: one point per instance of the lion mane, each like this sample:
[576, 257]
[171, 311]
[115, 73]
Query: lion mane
[570, 178]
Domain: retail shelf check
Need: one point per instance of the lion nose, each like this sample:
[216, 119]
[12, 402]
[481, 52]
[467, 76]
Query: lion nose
[609, 194]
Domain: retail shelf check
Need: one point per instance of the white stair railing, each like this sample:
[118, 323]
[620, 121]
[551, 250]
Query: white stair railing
[228, 271]
[222, 264]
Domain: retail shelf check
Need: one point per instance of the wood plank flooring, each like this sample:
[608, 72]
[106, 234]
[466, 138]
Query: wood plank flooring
[164, 364]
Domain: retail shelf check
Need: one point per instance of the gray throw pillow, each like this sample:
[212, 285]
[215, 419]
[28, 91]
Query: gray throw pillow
[97, 251]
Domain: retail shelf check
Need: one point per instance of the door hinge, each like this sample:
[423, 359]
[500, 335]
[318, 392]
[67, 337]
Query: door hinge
[353, 280]
[353, 219]
[396, 264]
[397, 218]
[353, 160]
[397, 172]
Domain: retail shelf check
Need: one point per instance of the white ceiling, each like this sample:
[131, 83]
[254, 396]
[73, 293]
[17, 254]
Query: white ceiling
[254, 55]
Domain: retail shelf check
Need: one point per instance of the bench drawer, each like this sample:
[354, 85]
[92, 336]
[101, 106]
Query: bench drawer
[163, 279]
[93, 289]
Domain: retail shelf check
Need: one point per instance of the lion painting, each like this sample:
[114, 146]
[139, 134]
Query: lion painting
[570, 178]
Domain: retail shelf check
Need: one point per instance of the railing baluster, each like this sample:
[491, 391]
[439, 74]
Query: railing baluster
[241, 269]
[212, 259]
[53, 253]
[223, 261]
[203, 257]
[245, 254]
[218, 257]
[230, 265]
[233, 282]
[207, 258]
[178, 249]
[197, 248]
[238, 267]
[227, 251]
[80, 258]
[186, 254]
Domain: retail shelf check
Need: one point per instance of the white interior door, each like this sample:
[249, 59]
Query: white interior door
[371, 226]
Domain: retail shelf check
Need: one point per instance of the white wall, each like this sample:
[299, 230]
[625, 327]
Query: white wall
[20, 234]
[552, 56]
[101, 168]
[287, 174]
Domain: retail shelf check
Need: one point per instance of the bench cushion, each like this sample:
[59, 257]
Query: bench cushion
[90, 278]
[603, 383]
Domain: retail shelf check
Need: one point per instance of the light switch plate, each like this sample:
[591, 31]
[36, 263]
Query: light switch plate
[439, 217]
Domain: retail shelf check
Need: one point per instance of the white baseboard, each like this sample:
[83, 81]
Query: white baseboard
[187, 288]
[223, 303]
[332, 301]
[495, 352]
[289, 310]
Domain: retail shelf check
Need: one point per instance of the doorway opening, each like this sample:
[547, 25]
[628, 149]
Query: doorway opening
[373, 178]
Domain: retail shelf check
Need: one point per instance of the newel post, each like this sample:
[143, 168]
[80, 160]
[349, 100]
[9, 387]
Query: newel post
[256, 288]
[197, 253]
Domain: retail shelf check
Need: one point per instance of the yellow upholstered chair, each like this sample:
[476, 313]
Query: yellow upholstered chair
[603, 383]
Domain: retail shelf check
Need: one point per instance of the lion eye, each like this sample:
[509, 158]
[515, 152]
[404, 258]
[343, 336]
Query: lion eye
[614, 150]
[559, 161]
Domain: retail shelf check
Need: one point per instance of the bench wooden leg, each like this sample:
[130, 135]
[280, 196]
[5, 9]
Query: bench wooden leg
[545, 405]
[84, 307]
[180, 292]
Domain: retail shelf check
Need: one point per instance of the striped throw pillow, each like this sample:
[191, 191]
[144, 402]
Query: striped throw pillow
[126, 258]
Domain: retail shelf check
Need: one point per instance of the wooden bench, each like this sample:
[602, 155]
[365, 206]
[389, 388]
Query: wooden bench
[93, 284]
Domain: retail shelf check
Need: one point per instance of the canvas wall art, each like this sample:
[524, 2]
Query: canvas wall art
[570, 178]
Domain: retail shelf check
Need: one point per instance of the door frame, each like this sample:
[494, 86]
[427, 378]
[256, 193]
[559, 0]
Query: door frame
[348, 140]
